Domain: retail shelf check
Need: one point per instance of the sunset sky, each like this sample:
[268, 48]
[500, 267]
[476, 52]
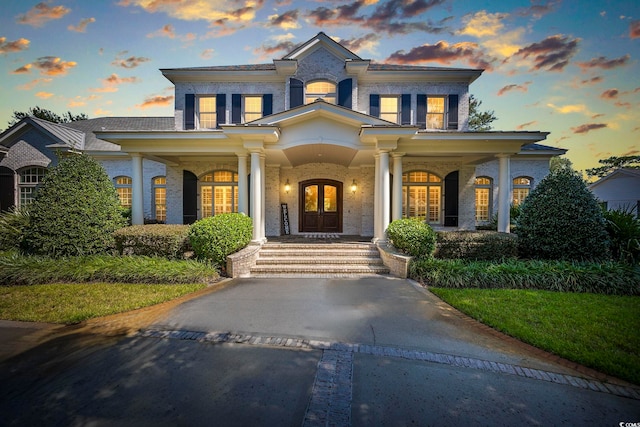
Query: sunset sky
[566, 67]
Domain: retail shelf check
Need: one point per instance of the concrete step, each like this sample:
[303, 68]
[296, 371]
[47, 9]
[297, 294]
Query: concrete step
[333, 260]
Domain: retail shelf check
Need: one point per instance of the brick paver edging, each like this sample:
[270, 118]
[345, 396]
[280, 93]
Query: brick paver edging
[425, 356]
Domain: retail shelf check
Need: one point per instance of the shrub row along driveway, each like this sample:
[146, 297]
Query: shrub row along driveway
[279, 352]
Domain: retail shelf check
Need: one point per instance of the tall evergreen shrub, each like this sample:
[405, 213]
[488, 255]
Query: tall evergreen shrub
[215, 237]
[561, 219]
[75, 212]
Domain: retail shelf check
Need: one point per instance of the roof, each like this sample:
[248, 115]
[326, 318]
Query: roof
[539, 148]
[65, 137]
[117, 124]
[633, 173]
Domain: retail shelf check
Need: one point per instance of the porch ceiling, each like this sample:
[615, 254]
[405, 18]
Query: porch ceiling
[320, 153]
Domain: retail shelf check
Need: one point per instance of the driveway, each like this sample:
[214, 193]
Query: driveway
[369, 351]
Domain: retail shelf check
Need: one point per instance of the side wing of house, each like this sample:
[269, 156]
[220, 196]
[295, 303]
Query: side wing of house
[619, 190]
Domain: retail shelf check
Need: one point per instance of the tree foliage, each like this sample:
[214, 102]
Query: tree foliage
[480, 121]
[614, 163]
[561, 219]
[215, 237]
[75, 211]
[44, 114]
[559, 162]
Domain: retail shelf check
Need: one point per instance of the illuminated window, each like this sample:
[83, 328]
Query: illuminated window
[484, 195]
[123, 187]
[218, 193]
[159, 191]
[390, 108]
[252, 107]
[436, 112]
[206, 114]
[521, 189]
[422, 196]
[321, 89]
[30, 178]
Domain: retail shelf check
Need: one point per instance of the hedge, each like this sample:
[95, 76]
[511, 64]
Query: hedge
[168, 241]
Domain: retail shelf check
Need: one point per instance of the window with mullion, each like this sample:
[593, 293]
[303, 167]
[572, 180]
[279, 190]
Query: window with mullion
[436, 112]
[252, 108]
[390, 108]
[206, 113]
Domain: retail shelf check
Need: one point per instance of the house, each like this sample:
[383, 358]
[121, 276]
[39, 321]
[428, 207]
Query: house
[346, 145]
[619, 190]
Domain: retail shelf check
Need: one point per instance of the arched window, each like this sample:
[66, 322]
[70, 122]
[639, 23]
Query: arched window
[159, 193]
[484, 196]
[321, 89]
[422, 196]
[28, 182]
[123, 187]
[521, 189]
[218, 193]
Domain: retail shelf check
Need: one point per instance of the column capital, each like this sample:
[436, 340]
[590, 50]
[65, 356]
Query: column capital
[503, 156]
[396, 154]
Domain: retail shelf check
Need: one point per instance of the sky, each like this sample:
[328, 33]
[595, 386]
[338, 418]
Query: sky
[568, 67]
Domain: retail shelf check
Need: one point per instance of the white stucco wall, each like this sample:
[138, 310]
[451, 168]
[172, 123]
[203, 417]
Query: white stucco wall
[619, 191]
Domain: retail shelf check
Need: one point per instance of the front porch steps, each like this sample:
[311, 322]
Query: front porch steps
[330, 260]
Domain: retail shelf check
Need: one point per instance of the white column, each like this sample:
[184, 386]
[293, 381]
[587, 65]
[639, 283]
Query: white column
[243, 185]
[376, 199]
[385, 194]
[263, 200]
[137, 195]
[504, 193]
[256, 196]
[396, 203]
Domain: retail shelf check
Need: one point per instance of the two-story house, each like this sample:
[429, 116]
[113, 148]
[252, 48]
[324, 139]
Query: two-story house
[346, 144]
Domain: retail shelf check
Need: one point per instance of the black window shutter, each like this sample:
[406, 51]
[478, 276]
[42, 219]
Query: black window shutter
[421, 111]
[296, 93]
[405, 112]
[374, 105]
[236, 108]
[344, 93]
[221, 107]
[453, 113]
[267, 104]
[189, 111]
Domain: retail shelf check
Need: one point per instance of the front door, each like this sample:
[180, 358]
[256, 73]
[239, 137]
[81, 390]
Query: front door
[320, 206]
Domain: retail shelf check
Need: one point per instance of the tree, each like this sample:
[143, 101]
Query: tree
[561, 219]
[559, 162]
[75, 211]
[479, 121]
[44, 114]
[614, 163]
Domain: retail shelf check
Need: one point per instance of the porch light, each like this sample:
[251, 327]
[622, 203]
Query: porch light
[354, 186]
[287, 186]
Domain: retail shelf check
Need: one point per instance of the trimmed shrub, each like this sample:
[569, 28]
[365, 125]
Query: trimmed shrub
[413, 237]
[12, 226]
[609, 278]
[623, 227]
[484, 245]
[216, 237]
[561, 219]
[168, 241]
[75, 212]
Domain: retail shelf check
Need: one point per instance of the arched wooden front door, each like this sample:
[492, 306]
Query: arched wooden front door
[320, 206]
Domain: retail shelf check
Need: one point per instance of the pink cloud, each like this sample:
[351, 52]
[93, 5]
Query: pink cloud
[634, 29]
[604, 63]
[588, 127]
[443, 53]
[41, 13]
[156, 101]
[551, 54]
[14, 46]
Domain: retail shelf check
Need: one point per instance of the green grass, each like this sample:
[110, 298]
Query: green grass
[74, 302]
[598, 331]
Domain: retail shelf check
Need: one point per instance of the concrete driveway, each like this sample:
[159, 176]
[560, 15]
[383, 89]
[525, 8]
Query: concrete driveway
[369, 351]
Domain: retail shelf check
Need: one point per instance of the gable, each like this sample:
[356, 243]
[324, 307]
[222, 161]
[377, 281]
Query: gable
[321, 41]
[22, 154]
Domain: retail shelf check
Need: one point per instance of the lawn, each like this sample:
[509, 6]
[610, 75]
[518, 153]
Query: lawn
[598, 331]
[74, 302]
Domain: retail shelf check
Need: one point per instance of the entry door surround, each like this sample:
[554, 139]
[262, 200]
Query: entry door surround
[320, 206]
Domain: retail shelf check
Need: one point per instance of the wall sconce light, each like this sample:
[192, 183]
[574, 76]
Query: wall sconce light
[287, 186]
[354, 186]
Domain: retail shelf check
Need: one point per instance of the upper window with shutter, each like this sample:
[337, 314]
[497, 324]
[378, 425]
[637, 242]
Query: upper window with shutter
[321, 89]
[206, 115]
[252, 107]
[390, 108]
[438, 112]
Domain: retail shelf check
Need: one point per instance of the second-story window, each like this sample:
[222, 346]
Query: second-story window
[252, 107]
[436, 112]
[390, 108]
[206, 113]
[321, 89]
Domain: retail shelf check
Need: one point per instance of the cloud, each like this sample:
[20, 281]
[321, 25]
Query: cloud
[34, 83]
[571, 108]
[207, 54]
[41, 13]
[538, 9]
[443, 53]
[14, 46]
[105, 89]
[82, 25]
[366, 43]
[522, 88]
[526, 125]
[156, 101]
[551, 54]
[166, 31]
[634, 29]
[610, 94]
[286, 21]
[483, 24]
[114, 80]
[22, 70]
[130, 62]
[53, 66]
[604, 63]
[591, 81]
[281, 43]
[192, 10]
[44, 95]
[588, 127]
[100, 112]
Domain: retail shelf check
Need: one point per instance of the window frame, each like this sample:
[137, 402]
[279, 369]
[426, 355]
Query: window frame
[432, 181]
[213, 183]
[443, 114]
[120, 186]
[199, 112]
[259, 114]
[162, 207]
[398, 109]
[27, 188]
[520, 191]
[310, 97]
[488, 186]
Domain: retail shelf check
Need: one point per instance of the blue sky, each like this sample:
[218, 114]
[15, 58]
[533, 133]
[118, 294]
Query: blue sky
[566, 67]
